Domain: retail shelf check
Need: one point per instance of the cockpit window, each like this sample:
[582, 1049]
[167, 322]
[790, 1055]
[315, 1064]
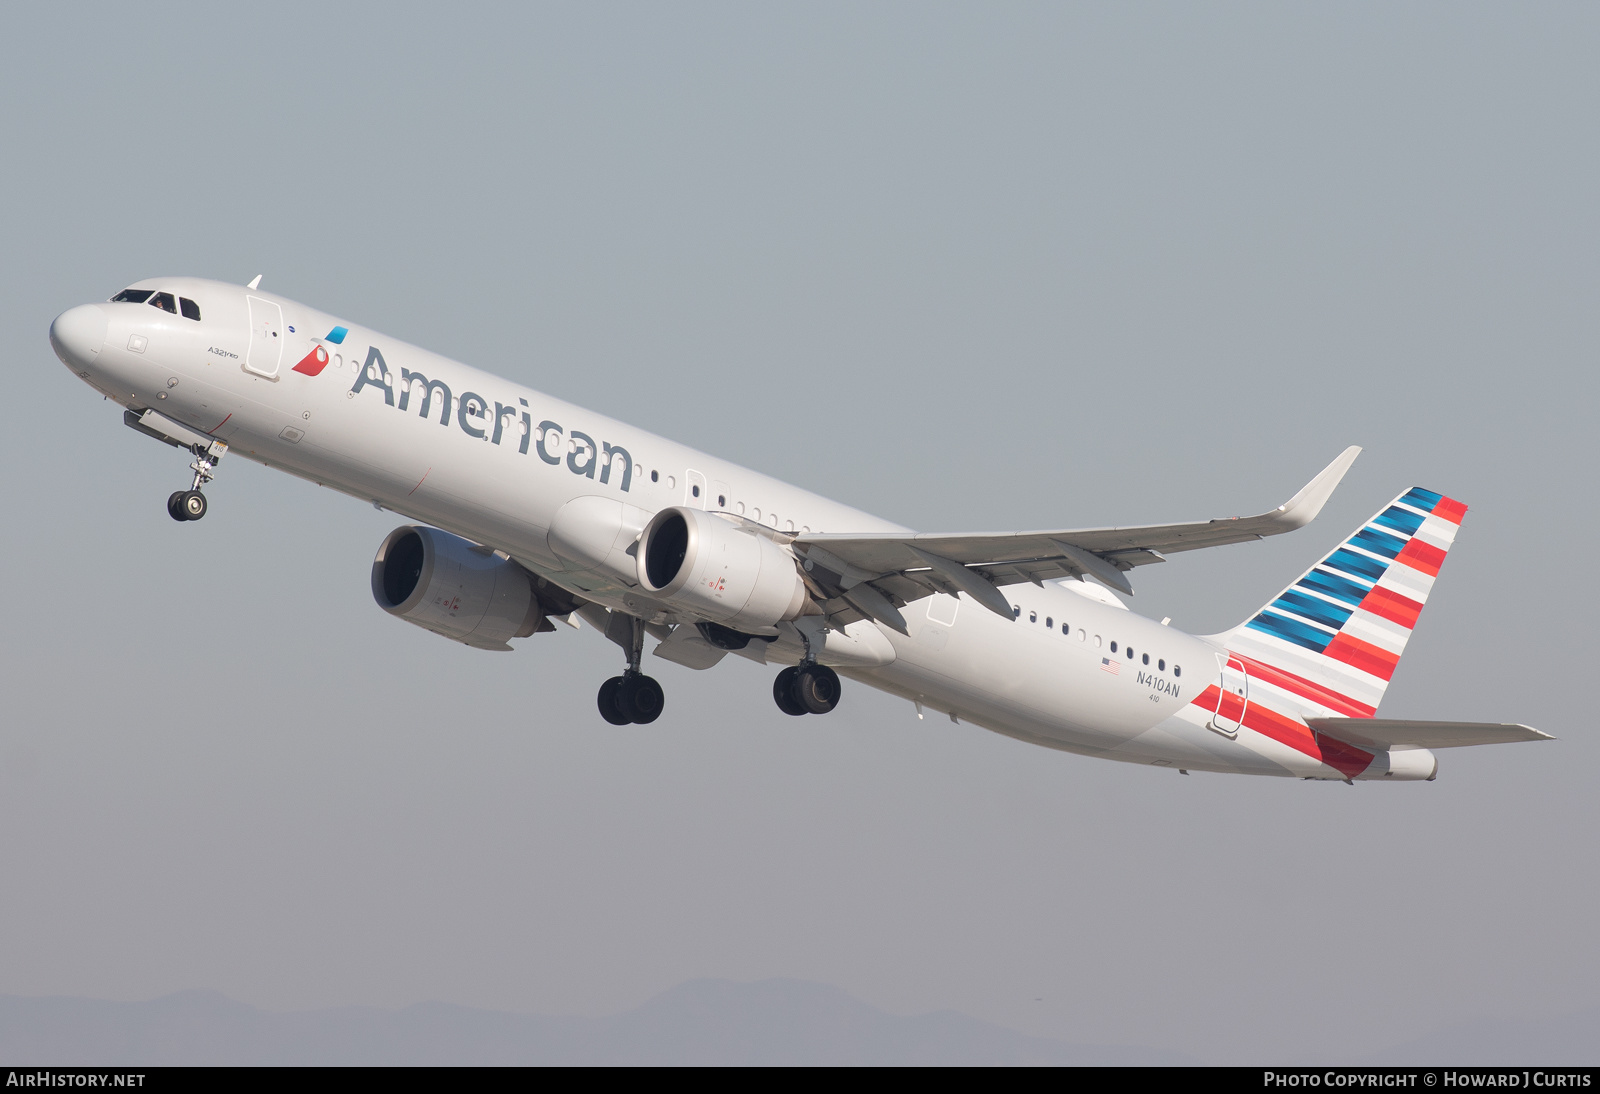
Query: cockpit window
[191, 310]
[132, 296]
[165, 302]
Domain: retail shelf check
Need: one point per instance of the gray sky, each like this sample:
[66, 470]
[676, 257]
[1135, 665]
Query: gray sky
[977, 267]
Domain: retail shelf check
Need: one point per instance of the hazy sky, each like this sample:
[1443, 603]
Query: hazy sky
[968, 267]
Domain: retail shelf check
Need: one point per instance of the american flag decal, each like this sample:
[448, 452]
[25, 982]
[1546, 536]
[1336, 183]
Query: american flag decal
[1108, 665]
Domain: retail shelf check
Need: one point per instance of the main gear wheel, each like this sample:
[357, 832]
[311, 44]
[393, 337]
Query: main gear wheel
[807, 689]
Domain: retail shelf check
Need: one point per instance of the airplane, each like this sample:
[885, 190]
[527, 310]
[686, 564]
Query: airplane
[529, 511]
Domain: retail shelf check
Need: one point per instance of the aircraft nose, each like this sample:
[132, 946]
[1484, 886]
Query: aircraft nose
[77, 335]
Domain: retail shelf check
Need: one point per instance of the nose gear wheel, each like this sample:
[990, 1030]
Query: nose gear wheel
[186, 505]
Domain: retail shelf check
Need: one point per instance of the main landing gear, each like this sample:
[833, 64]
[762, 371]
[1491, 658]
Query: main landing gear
[806, 689]
[190, 504]
[632, 698]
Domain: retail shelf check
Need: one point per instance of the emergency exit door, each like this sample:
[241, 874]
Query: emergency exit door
[695, 490]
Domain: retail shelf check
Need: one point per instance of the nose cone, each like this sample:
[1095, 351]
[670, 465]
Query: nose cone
[77, 335]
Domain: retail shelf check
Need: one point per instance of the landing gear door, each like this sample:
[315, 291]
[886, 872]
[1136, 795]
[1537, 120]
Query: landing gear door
[266, 337]
[1233, 697]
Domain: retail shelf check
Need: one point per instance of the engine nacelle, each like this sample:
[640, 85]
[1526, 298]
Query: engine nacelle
[453, 587]
[718, 571]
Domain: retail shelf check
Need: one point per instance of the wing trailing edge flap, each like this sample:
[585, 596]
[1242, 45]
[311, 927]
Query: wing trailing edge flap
[1396, 735]
[900, 567]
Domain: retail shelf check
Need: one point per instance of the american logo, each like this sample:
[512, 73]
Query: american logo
[478, 417]
[314, 362]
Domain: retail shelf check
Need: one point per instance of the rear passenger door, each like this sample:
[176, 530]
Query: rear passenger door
[1233, 696]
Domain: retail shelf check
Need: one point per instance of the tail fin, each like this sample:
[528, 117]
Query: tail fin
[1333, 638]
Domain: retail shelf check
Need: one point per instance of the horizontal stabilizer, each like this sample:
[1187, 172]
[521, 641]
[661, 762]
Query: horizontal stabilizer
[1396, 735]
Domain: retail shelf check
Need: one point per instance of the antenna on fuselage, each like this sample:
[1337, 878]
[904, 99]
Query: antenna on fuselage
[255, 282]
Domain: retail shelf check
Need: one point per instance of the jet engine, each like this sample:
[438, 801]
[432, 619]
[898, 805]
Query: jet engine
[716, 570]
[454, 587]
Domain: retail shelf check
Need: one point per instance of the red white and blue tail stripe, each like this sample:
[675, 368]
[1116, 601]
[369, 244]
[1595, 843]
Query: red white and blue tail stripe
[1329, 643]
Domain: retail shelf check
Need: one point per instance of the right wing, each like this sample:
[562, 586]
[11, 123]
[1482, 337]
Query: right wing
[874, 575]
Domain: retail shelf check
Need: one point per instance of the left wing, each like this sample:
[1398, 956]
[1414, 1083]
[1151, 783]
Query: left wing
[874, 575]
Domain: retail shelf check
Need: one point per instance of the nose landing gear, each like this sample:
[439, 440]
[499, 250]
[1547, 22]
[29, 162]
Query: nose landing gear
[190, 504]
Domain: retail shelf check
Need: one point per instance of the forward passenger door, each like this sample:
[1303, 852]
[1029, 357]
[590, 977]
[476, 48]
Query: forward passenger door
[266, 337]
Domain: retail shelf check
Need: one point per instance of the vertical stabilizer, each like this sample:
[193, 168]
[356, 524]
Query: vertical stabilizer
[1330, 642]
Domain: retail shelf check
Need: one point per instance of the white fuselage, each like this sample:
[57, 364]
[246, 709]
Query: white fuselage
[500, 477]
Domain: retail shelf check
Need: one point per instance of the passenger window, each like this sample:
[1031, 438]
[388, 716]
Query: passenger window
[1066, 628]
[132, 296]
[1097, 641]
[695, 490]
[722, 501]
[1016, 611]
[191, 310]
[165, 302]
[1146, 659]
[1049, 623]
[1177, 670]
[655, 476]
[1162, 665]
[1130, 653]
[1113, 647]
[1033, 617]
